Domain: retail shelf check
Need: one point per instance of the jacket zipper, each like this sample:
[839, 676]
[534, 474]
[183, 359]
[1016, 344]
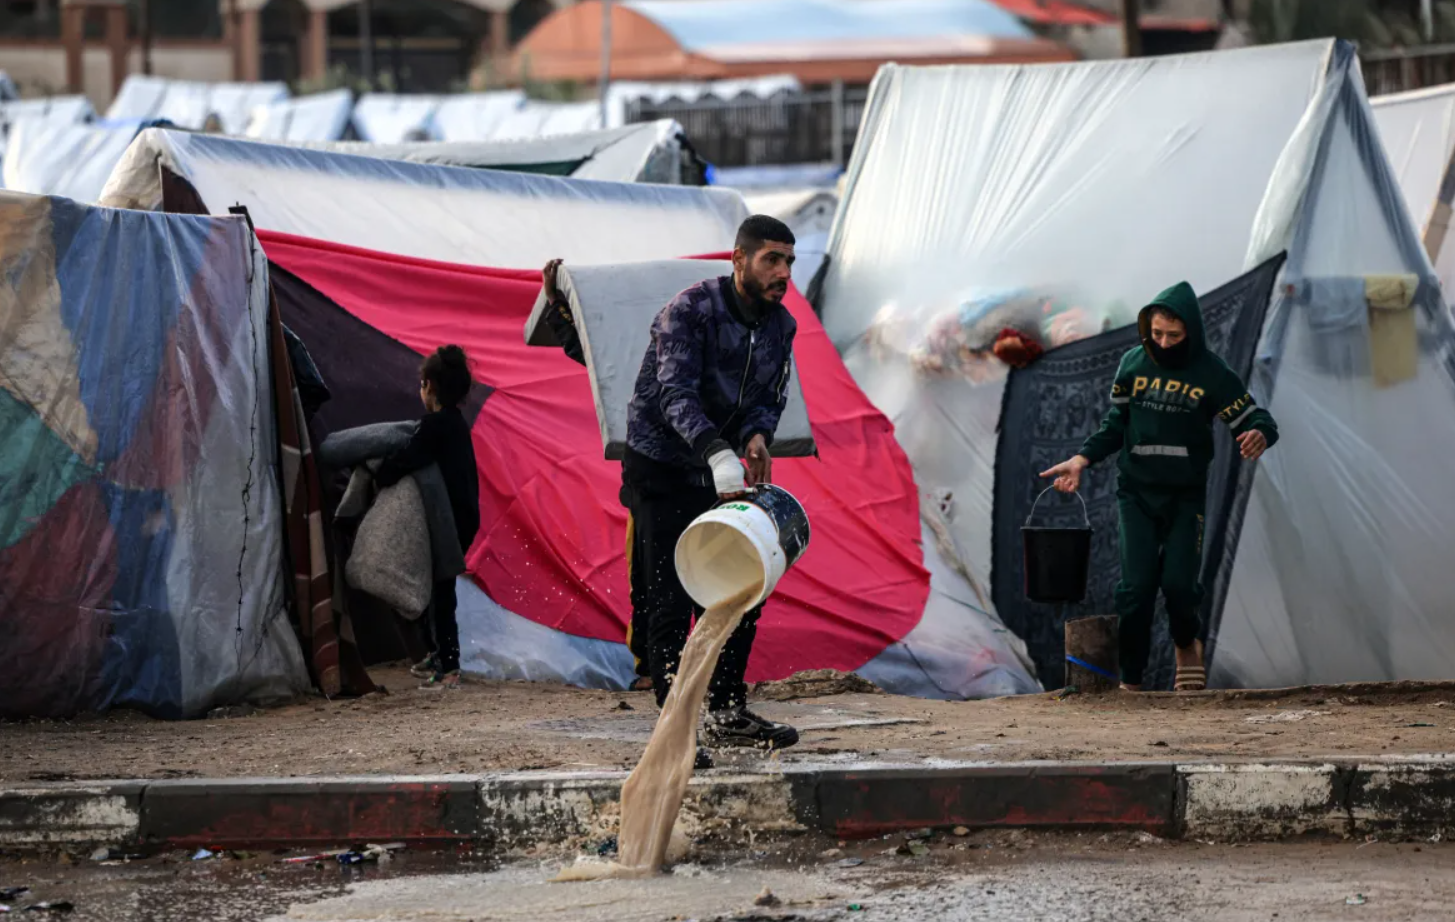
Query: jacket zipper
[783, 380]
[747, 366]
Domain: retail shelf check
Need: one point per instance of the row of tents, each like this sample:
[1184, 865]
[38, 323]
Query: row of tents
[1067, 193]
[61, 146]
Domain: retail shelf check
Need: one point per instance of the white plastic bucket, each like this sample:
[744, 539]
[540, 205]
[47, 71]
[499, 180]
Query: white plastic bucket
[741, 543]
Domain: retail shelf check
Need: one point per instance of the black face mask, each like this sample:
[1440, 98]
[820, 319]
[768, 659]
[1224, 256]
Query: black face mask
[1173, 356]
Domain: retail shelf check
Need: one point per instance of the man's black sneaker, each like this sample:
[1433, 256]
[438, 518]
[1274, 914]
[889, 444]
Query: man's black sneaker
[703, 761]
[741, 727]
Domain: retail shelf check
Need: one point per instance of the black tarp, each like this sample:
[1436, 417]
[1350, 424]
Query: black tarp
[1049, 409]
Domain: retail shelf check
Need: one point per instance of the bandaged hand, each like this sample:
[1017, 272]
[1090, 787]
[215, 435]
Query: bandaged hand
[727, 474]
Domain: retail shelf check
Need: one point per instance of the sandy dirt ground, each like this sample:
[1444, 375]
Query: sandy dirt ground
[519, 726]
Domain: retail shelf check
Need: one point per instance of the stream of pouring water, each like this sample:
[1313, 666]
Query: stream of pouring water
[652, 796]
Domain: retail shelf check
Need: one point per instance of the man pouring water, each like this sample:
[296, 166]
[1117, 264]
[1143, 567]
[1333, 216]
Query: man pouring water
[712, 385]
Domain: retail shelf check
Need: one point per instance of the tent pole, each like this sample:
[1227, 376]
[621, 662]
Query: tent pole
[1427, 20]
[144, 13]
[1131, 28]
[366, 41]
[837, 119]
[603, 85]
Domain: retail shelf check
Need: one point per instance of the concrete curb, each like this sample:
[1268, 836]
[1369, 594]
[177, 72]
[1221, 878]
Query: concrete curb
[517, 812]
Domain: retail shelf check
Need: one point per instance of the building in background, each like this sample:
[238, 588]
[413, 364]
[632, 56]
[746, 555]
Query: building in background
[90, 46]
[817, 41]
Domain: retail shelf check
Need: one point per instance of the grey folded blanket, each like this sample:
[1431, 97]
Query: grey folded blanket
[407, 538]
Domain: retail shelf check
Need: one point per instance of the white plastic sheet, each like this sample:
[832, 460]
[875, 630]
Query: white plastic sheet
[1099, 184]
[389, 118]
[646, 152]
[188, 103]
[1418, 131]
[73, 161]
[547, 119]
[320, 117]
[476, 217]
[1339, 574]
[475, 116]
[54, 110]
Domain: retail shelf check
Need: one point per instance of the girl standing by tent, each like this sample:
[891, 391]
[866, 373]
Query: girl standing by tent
[443, 439]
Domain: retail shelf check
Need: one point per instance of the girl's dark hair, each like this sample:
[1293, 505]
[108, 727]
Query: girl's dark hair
[449, 371]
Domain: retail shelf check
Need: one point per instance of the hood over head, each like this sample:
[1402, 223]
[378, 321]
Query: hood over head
[1181, 301]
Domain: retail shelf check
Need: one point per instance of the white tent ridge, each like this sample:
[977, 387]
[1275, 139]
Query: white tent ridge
[188, 103]
[319, 117]
[1102, 183]
[453, 214]
[644, 152]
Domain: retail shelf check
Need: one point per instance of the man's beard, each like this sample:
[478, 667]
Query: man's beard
[758, 295]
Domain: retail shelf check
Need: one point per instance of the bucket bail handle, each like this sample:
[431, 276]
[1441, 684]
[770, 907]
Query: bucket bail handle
[1084, 513]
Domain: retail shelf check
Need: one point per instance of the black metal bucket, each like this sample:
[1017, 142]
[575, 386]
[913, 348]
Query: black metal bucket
[1057, 560]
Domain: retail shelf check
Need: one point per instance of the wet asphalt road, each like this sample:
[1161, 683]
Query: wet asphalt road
[1006, 877]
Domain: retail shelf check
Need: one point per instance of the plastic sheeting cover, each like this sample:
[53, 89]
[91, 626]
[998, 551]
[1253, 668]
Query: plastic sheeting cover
[1339, 575]
[389, 118]
[320, 117]
[547, 119]
[140, 518]
[1111, 180]
[55, 110]
[1094, 185]
[475, 116]
[475, 217]
[648, 152]
[72, 161]
[1418, 131]
[614, 307]
[1105, 179]
[187, 103]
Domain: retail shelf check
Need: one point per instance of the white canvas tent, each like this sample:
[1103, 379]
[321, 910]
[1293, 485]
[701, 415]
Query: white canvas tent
[1418, 131]
[319, 117]
[1096, 185]
[188, 103]
[519, 221]
[389, 118]
[50, 111]
[504, 115]
[453, 214]
[72, 161]
[645, 152]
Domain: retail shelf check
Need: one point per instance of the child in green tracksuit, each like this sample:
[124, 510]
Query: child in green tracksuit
[1166, 394]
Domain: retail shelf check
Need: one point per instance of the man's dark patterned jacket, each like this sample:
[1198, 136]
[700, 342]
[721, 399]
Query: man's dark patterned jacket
[709, 374]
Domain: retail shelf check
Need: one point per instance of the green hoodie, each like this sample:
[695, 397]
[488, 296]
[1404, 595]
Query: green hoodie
[1161, 418]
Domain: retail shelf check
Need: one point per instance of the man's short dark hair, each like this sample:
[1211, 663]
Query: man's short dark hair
[1158, 310]
[760, 229]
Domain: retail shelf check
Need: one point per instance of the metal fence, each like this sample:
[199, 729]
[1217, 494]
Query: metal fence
[1408, 69]
[814, 126]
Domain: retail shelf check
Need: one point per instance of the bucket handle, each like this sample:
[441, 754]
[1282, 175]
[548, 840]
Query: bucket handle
[1084, 514]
